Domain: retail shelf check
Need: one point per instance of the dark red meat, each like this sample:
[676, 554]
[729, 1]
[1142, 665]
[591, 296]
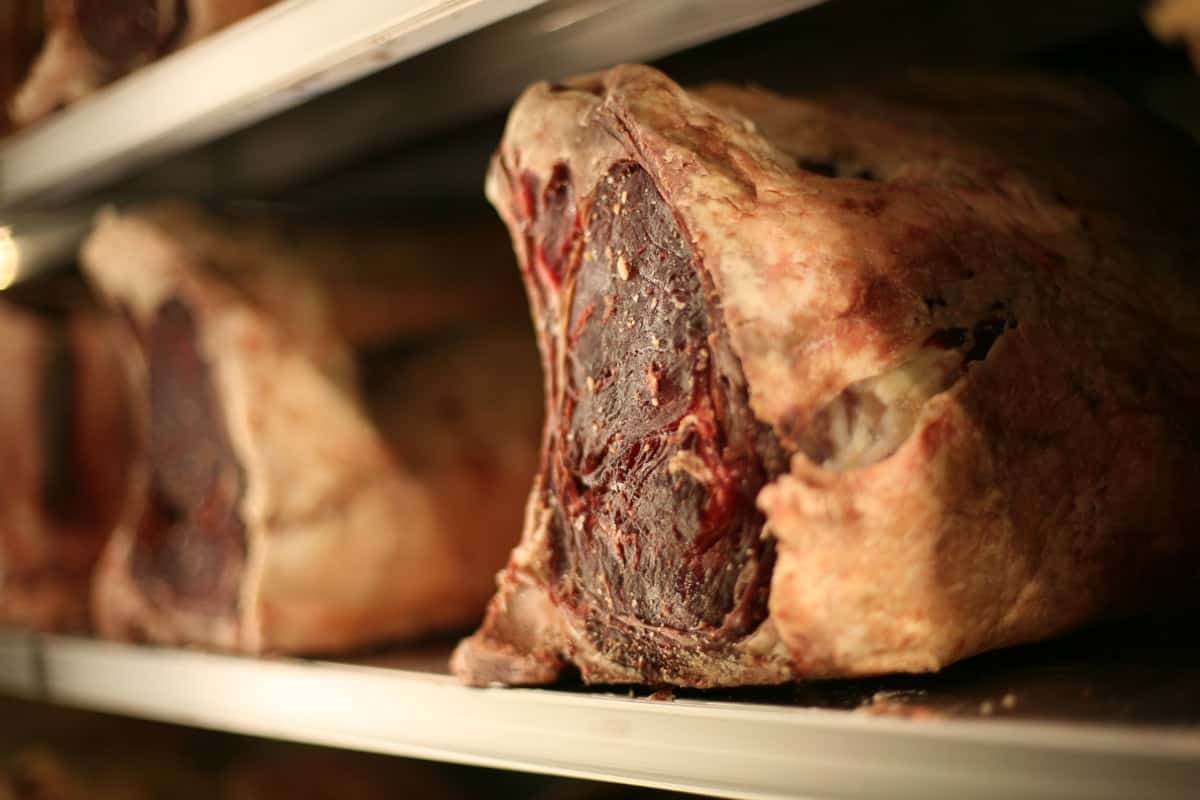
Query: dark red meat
[192, 539]
[130, 33]
[654, 460]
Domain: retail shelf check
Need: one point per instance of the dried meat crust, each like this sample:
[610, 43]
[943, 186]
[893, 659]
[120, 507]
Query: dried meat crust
[271, 510]
[965, 307]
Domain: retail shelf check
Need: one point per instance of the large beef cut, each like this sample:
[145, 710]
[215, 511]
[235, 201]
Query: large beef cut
[65, 443]
[89, 43]
[297, 490]
[864, 383]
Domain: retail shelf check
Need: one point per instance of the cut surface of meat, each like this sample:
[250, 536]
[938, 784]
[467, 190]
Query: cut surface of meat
[870, 382]
[125, 35]
[653, 470]
[191, 542]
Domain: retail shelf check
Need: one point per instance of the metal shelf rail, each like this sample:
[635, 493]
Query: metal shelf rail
[408, 706]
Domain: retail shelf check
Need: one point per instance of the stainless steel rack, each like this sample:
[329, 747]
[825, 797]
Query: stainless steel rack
[1003, 728]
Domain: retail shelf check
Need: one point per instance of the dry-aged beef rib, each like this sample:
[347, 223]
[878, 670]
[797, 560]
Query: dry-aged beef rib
[862, 384]
[88, 43]
[292, 496]
[65, 446]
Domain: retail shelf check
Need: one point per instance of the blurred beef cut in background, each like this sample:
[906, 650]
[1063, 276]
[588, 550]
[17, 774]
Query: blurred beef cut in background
[337, 430]
[67, 49]
[65, 445]
[282, 436]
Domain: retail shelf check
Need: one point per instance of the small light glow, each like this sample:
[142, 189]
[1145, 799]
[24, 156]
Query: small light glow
[9, 259]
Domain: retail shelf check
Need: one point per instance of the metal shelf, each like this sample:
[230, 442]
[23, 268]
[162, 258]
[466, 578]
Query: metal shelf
[750, 745]
[292, 52]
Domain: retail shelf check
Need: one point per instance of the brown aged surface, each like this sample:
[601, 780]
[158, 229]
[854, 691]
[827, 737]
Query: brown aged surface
[855, 384]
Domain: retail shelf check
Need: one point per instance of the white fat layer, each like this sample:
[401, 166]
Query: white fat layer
[871, 418]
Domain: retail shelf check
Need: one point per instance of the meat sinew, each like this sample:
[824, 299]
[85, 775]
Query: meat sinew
[865, 383]
[65, 443]
[295, 494]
